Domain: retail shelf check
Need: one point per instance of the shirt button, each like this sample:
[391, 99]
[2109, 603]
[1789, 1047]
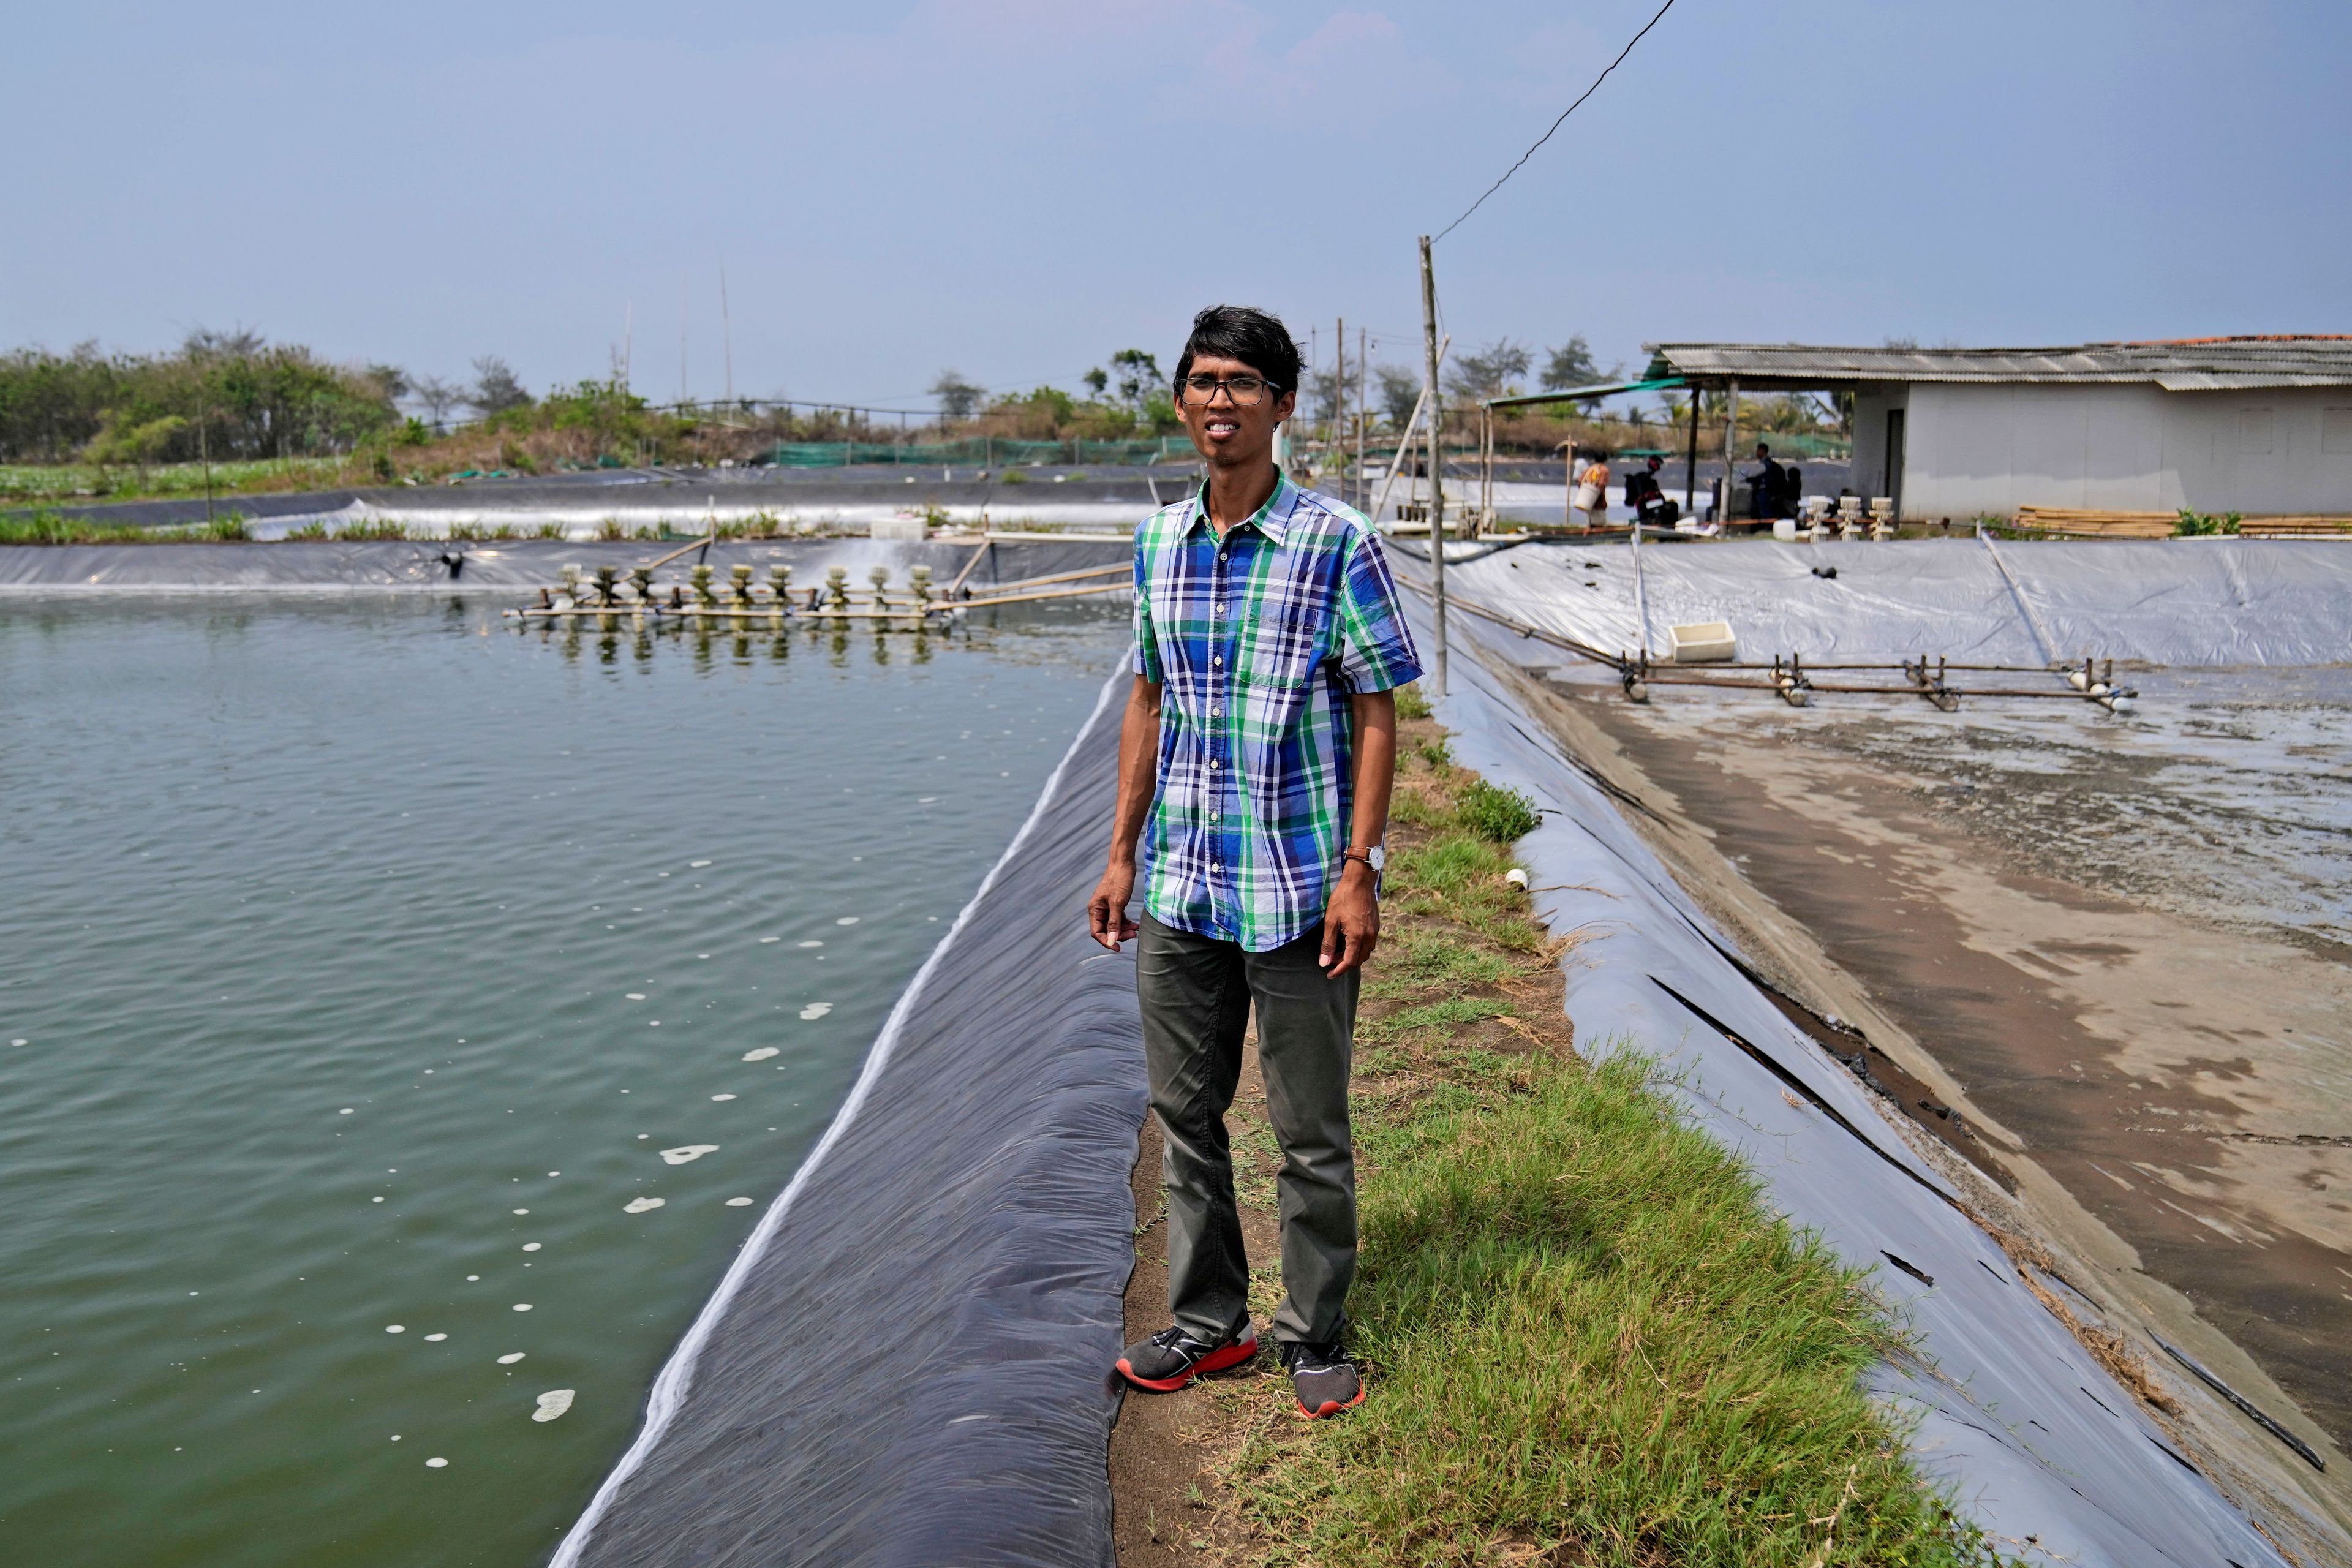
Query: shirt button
[1212, 765]
[1216, 659]
[1216, 712]
[1221, 606]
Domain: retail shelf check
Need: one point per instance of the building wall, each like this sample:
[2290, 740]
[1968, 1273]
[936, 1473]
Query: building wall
[1979, 448]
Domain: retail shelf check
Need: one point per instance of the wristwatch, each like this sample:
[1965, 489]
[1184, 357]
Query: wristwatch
[1377, 857]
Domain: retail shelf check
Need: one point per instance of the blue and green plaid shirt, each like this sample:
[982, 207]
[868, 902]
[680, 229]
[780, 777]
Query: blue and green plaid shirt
[1260, 638]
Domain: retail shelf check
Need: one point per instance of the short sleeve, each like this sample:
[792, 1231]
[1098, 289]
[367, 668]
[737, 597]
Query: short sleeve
[1146, 640]
[1376, 651]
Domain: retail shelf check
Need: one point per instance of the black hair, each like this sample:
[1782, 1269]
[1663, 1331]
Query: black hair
[1254, 337]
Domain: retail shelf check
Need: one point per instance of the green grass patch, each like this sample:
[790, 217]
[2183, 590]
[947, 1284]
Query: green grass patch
[1496, 814]
[1409, 702]
[1585, 1335]
[1440, 1017]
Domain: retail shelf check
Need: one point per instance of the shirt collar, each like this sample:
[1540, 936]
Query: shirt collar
[1272, 519]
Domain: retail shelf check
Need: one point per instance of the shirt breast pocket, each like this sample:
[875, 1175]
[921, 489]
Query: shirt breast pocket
[1286, 647]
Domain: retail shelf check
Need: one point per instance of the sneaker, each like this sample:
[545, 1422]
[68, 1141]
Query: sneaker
[1172, 1358]
[1326, 1380]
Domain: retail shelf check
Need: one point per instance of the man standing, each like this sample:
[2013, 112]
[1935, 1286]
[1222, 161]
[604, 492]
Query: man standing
[1255, 760]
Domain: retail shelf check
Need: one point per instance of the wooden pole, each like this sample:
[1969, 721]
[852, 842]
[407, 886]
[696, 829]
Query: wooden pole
[1486, 470]
[1436, 455]
[1568, 490]
[1690, 465]
[1730, 447]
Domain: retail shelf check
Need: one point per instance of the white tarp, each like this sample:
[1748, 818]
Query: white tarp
[2174, 602]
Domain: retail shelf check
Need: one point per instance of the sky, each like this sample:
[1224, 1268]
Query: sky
[1015, 190]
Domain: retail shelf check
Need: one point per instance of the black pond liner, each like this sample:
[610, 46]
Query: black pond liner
[909, 1362]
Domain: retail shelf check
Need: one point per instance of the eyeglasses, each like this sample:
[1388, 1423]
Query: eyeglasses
[1246, 391]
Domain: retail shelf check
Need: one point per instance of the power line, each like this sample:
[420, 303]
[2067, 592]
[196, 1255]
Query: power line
[1556, 124]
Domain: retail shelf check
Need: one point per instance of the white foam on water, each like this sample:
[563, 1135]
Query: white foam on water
[434, 1339]
[396, 1328]
[642, 1206]
[696, 865]
[766, 940]
[531, 1247]
[687, 1154]
[763, 1054]
[511, 1357]
[553, 1403]
[812, 944]
[738, 1203]
[525, 1306]
[816, 1009]
[437, 1464]
[522, 1210]
[346, 1110]
[721, 1098]
[637, 995]
[20, 1042]
[846, 920]
[375, 1200]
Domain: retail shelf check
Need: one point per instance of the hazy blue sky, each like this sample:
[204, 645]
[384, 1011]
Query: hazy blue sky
[1017, 189]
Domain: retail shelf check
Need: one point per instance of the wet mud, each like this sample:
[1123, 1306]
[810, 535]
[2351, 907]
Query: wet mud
[2057, 927]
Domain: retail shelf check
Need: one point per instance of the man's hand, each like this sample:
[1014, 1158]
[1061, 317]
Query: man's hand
[1106, 910]
[1352, 921]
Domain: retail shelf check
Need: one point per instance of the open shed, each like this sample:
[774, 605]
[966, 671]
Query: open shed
[2260, 426]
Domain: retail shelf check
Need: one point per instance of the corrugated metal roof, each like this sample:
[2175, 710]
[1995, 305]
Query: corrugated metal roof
[2182, 365]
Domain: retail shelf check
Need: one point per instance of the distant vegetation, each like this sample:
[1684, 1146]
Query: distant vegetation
[231, 413]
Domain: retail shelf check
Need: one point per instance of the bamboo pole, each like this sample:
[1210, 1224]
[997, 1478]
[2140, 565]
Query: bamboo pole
[1404, 441]
[983, 548]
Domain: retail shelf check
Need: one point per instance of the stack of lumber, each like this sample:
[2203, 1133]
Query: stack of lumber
[2094, 522]
[2296, 527]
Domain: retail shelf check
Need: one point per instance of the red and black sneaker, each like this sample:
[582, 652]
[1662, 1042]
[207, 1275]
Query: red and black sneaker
[1172, 1358]
[1326, 1381]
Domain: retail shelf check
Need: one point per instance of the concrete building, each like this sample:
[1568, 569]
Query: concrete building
[2260, 426]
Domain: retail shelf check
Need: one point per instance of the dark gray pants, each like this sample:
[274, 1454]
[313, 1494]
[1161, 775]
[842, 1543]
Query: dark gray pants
[1197, 992]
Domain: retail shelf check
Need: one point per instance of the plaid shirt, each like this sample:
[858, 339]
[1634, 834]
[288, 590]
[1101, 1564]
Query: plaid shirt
[1259, 639]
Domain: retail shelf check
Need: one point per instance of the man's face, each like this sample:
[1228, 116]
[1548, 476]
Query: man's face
[1225, 433]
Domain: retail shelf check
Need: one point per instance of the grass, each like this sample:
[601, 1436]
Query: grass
[1589, 1342]
[49, 527]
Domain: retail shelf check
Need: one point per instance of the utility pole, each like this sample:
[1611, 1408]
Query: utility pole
[1436, 454]
[682, 284]
[727, 333]
[628, 341]
[1339, 398]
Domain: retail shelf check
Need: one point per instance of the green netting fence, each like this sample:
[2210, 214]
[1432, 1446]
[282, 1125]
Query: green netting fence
[982, 451]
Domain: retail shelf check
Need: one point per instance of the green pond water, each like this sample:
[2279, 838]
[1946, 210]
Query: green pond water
[361, 960]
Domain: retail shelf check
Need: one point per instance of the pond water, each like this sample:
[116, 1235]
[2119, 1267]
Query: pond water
[403, 1019]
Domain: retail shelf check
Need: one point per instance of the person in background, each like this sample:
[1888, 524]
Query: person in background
[1255, 763]
[1650, 504]
[1768, 487]
[1592, 494]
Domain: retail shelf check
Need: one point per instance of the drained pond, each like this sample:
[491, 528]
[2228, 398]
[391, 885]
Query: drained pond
[404, 1019]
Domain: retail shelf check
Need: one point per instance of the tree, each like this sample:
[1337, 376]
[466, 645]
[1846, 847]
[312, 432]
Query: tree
[1400, 390]
[1137, 376]
[437, 398]
[240, 341]
[1490, 373]
[496, 390]
[959, 399]
[1572, 365]
[1097, 380]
